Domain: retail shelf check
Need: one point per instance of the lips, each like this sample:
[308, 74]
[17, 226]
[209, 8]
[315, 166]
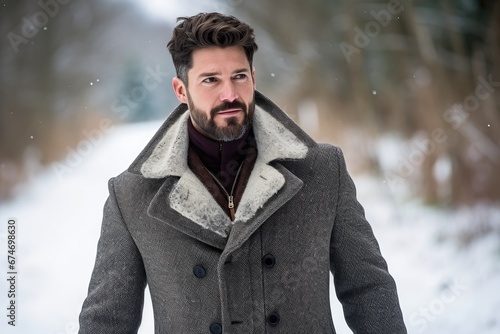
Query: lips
[228, 108]
[229, 112]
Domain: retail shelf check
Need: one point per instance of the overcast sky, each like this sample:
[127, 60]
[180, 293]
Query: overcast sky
[170, 10]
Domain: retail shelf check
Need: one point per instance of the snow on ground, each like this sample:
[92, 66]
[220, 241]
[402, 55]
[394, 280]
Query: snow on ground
[444, 287]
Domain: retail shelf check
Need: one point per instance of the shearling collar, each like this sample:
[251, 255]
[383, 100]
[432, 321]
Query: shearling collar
[277, 138]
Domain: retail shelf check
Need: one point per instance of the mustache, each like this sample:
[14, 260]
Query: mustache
[229, 105]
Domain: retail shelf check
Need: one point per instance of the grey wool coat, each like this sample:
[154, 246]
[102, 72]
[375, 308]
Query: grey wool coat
[266, 272]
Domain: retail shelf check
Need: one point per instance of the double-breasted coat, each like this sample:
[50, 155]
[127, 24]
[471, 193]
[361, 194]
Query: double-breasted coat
[266, 272]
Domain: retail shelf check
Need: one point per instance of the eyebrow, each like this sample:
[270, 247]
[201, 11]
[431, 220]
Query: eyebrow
[211, 74]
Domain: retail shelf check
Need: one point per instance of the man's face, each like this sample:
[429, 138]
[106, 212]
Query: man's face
[220, 92]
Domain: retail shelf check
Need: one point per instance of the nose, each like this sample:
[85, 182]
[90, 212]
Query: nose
[228, 92]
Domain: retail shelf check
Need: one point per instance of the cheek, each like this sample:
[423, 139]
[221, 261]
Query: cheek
[249, 97]
[199, 99]
[207, 99]
[246, 92]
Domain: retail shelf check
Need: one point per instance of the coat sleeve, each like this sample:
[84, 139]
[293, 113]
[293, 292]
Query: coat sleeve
[362, 282]
[116, 292]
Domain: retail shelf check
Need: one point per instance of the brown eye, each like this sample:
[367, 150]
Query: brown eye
[240, 76]
[209, 80]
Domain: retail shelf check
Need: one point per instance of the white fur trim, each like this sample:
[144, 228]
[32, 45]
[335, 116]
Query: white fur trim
[274, 140]
[169, 157]
[190, 197]
[264, 182]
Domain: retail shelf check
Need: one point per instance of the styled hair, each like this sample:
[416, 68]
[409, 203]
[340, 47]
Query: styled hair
[206, 30]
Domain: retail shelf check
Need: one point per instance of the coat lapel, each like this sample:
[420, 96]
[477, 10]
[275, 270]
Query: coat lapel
[184, 202]
[243, 229]
[190, 198]
[161, 208]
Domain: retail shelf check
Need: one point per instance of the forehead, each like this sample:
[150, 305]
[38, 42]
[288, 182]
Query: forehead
[219, 59]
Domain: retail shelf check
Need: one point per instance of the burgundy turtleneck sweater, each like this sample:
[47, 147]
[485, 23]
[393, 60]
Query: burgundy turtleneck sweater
[222, 159]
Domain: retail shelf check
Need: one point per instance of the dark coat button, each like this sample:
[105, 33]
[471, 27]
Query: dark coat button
[199, 271]
[216, 328]
[273, 319]
[269, 261]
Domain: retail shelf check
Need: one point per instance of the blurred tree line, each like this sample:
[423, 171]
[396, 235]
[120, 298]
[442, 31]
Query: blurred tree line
[426, 70]
[348, 71]
[65, 66]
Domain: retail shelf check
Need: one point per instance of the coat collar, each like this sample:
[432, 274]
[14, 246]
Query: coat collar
[277, 137]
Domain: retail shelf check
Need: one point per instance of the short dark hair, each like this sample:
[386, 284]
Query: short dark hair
[206, 30]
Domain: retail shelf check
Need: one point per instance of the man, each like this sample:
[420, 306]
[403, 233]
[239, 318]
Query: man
[233, 215]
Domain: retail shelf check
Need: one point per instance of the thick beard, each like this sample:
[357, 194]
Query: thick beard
[232, 130]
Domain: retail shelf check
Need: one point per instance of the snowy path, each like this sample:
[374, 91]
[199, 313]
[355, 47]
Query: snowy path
[443, 288]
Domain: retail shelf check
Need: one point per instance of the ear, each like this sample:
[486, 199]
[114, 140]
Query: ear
[253, 78]
[179, 89]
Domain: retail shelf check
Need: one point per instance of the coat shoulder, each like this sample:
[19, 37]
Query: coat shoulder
[325, 157]
[327, 151]
[131, 185]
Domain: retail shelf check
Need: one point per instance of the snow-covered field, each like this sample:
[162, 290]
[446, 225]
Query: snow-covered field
[444, 287]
